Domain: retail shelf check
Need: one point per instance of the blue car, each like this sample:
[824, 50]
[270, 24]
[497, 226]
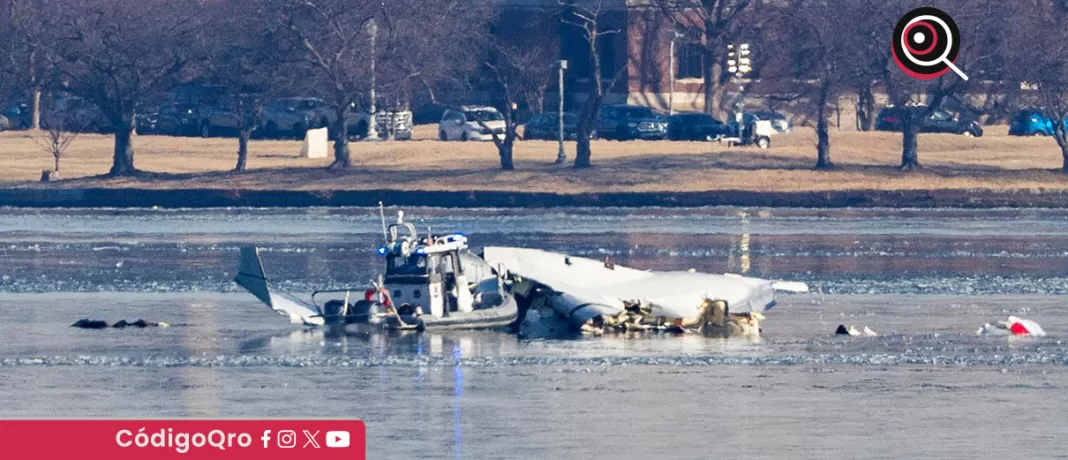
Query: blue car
[1031, 122]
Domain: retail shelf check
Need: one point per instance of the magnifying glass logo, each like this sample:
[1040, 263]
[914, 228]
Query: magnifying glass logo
[925, 44]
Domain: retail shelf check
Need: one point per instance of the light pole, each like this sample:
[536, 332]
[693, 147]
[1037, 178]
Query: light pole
[372, 124]
[740, 65]
[560, 155]
[673, 36]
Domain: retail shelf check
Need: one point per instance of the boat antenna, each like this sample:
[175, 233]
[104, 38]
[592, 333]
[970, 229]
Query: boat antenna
[382, 213]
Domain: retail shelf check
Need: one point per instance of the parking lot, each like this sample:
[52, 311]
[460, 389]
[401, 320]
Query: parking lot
[866, 160]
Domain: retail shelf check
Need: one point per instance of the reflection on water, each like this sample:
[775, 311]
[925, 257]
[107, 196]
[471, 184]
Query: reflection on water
[458, 385]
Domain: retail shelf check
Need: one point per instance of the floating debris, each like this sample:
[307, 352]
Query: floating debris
[852, 331]
[713, 320]
[1012, 326]
[86, 323]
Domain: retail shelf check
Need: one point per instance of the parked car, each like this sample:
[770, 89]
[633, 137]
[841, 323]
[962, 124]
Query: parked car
[695, 127]
[779, 122]
[147, 118]
[940, 121]
[294, 116]
[175, 119]
[72, 113]
[1032, 122]
[224, 117]
[19, 115]
[393, 123]
[627, 122]
[186, 107]
[470, 123]
[547, 126]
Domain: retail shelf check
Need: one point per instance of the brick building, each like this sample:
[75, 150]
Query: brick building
[638, 45]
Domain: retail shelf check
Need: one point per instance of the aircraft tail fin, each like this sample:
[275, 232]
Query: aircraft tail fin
[250, 275]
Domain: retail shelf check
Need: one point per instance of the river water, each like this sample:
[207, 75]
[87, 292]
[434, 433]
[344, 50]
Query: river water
[925, 280]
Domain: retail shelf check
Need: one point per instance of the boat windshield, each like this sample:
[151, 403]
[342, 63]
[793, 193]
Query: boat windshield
[415, 264]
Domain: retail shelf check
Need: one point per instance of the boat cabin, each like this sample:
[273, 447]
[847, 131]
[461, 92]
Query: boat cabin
[428, 273]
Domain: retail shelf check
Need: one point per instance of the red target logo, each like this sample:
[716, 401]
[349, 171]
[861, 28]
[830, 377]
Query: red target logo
[925, 44]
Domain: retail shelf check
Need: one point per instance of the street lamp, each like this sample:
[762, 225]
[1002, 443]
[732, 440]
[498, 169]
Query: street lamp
[372, 124]
[673, 35]
[740, 65]
[560, 156]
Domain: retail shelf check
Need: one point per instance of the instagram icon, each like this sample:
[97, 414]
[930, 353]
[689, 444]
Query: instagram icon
[287, 439]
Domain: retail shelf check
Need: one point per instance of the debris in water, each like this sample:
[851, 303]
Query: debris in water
[1012, 326]
[713, 320]
[852, 331]
[86, 323]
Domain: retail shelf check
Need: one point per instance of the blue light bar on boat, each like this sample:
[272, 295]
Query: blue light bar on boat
[421, 250]
[382, 250]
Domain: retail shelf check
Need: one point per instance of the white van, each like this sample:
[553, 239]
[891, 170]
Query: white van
[471, 123]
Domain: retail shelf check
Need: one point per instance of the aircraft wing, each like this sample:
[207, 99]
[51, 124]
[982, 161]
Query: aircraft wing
[585, 287]
[588, 287]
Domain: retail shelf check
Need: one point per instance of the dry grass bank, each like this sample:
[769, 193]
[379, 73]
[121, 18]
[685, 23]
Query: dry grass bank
[867, 162]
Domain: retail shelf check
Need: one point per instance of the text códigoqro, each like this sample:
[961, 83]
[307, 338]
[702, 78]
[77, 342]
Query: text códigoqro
[182, 442]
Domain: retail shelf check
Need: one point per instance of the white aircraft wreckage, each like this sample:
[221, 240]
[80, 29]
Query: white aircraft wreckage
[561, 292]
[437, 282]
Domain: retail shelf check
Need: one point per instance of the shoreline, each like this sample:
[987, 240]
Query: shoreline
[222, 198]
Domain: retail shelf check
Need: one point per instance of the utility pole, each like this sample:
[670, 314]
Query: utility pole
[671, 70]
[560, 155]
[674, 35]
[372, 124]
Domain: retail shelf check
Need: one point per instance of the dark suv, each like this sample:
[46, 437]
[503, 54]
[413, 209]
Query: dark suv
[187, 108]
[626, 122]
[940, 121]
[547, 126]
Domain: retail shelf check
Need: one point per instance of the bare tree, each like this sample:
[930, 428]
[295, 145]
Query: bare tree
[333, 39]
[587, 19]
[29, 40]
[418, 46]
[823, 62]
[117, 54]
[244, 61]
[60, 130]
[719, 23]
[980, 25]
[521, 65]
[1041, 66]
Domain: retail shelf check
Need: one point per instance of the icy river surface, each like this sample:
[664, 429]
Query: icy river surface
[926, 387]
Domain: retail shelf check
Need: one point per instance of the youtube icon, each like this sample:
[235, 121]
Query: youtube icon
[337, 439]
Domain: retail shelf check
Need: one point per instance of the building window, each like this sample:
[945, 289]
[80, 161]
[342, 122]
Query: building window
[607, 45]
[690, 55]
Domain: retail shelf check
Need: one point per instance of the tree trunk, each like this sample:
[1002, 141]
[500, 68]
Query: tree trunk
[1064, 154]
[123, 163]
[342, 158]
[823, 143]
[713, 92]
[57, 162]
[910, 159]
[591, 109]
[1061, 136]
[505, 151]
[865, 108]
[242, 149]
[36, 117]
[582, 151]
